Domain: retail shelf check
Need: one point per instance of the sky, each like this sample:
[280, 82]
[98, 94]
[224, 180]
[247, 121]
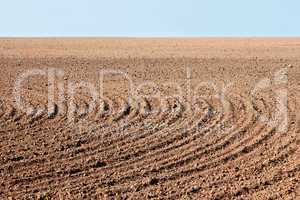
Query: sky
[152, 18]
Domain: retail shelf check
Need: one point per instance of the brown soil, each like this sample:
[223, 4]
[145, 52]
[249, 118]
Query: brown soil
[231, 134]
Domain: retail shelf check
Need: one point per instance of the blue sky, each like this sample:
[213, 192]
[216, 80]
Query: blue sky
[150, 18]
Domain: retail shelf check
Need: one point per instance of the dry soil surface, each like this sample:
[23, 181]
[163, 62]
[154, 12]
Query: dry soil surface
[149, 118]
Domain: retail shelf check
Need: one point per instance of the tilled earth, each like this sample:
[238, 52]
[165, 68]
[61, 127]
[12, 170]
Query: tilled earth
[149, 118]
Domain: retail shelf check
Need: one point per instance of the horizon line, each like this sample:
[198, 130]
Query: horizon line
[143, 37]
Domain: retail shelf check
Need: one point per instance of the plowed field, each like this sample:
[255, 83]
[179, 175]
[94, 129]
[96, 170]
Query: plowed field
[149, 118]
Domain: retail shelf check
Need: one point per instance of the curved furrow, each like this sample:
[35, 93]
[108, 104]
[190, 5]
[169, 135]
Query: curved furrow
[234, 146]
[72, 158]
[249, 149]
[219, 146]
[60, 161]
[129, 136]
[252, 165]
[56, 124]
[279, 157]
[243, 150]
[179, 136]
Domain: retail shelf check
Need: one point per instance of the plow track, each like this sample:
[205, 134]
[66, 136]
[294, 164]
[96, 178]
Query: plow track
[232, 147]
